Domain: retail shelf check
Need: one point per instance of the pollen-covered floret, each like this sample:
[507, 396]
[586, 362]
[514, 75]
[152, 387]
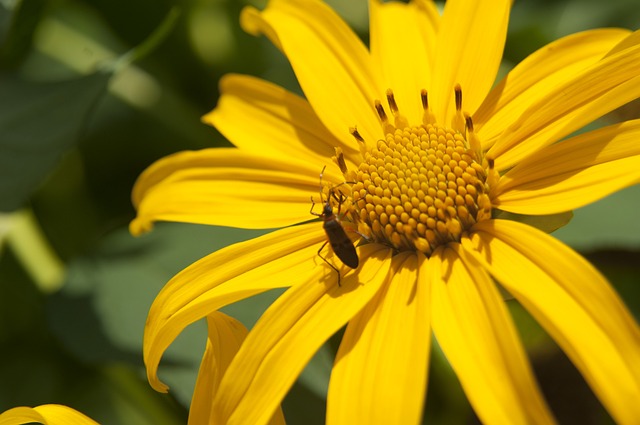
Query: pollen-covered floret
[419, 188]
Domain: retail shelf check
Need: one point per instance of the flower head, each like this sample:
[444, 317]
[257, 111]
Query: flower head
[422, 157]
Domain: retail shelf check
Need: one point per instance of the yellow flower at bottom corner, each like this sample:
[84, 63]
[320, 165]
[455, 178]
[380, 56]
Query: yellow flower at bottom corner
[47, 414]
[420, 153]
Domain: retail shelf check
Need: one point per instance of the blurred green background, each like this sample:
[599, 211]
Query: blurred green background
[91, 93]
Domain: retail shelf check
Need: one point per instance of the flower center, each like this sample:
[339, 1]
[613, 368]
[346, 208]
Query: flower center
[420, 187]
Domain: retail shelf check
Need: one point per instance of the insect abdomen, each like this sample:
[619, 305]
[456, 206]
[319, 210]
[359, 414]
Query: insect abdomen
[341, 244]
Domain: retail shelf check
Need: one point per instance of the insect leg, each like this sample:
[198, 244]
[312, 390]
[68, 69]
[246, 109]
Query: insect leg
[328, 262]
[313, 204]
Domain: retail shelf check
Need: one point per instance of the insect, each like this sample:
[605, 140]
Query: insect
[336, 235]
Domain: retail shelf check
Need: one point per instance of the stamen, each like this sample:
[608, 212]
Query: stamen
[458, 122]
[468, 123]
[425, 99]
[400, 121]
[458, 93]
[391, 100]
[427, 117]
[361, 143]
[472, 138]
[339, 158]
[386, 125]
[492, 176]
[381, 113]
[356, 134]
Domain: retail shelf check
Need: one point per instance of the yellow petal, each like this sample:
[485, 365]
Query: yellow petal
[598, 89]
[21, 415]
[429, 11]
[380, 372]
[288, 334]
[331, 64]
[227, 187]
[477, 335]
[630, 41]
[534, 77]
[47, 414]
[402, 47]
[275, 260]
[225, 335]
[259, 116]
[57, 414]
[573, 173]
[468, 52]
[575, 305]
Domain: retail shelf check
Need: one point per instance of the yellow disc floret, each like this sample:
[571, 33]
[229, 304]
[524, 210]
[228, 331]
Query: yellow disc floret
[420, 188]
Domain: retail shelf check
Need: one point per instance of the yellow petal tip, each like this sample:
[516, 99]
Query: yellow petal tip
[138, 226]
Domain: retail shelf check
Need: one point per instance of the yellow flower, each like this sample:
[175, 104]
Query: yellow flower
[47, 414]
[427, 153]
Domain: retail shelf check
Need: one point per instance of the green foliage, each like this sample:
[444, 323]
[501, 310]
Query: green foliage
[40, 121]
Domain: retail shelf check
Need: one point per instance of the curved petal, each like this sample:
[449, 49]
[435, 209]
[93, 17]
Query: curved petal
[384, 353]
[631, 40]
[537, 75]
[21, 415]
[227, 187]
[402, 47]
[47, 414]
[477, 335]
[288, 334]
[468, 52]
[572, 173]
[263, 118]
[225, 335]
[331, 63]
[575, 305]
[598, 89]
[431, 15]
[278, 259]
[57, 414]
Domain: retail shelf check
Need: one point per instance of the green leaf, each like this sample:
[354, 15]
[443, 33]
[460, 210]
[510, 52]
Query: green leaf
[18, 21]
[315, 376]
[610, 223]
[38, 123]
[302, 406]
